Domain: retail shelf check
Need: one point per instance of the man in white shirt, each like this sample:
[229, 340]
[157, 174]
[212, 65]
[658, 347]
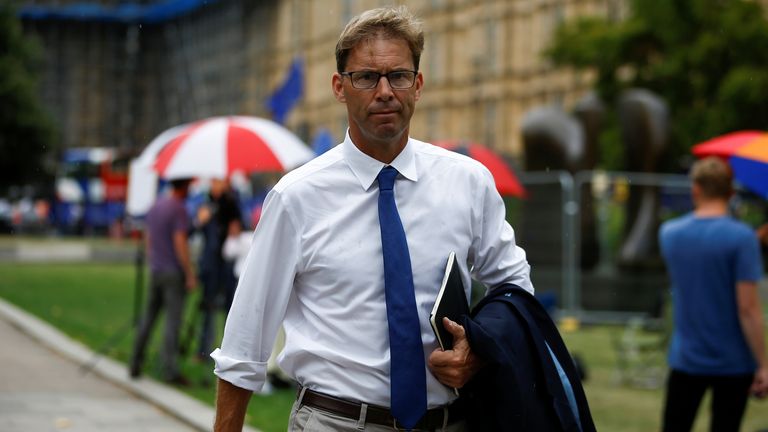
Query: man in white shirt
[316, 261]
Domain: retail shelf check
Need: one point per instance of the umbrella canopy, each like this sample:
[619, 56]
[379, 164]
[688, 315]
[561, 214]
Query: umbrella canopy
[507, 182]
[219, 146]
[746, 152]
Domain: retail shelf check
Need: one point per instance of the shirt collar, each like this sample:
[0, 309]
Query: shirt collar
[367, 168]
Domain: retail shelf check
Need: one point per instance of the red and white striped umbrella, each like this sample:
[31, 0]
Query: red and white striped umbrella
[219, 146]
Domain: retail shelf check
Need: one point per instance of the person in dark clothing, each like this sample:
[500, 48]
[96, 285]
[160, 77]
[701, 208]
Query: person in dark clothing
[216, 219]
[171, 276]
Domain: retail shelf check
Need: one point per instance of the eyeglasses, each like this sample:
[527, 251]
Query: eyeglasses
[398, 80]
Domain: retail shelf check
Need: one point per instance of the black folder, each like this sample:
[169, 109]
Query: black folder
[451, 302]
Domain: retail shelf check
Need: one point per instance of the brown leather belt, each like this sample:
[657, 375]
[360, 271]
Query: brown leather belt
[433, 419]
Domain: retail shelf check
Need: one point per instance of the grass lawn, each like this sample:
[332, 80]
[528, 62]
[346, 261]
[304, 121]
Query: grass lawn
[93, 303]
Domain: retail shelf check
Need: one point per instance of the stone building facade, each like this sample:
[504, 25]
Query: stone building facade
[120, 81]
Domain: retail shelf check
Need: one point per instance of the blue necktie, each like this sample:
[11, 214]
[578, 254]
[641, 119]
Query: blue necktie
[408, 380]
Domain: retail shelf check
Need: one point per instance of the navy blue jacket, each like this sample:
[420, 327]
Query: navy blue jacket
[520, 389]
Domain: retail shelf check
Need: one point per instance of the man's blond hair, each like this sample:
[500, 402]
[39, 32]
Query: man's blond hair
[388, 22]
[713, 177]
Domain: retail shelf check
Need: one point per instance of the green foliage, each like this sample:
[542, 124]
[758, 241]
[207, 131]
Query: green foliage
[26, 131]
[703, 57]
[610, 152]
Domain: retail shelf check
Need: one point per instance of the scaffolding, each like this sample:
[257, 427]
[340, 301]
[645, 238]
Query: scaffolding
[117, 77]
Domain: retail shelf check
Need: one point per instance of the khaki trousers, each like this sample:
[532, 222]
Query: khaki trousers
[308, 419]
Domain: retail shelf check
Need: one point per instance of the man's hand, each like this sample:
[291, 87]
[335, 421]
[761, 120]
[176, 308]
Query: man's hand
[762, 233]
[204, 214]
[457, 366]
[759, 387]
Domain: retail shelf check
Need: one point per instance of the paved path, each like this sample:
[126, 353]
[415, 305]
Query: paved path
[65, 250]
[42, 391]
[42, 387]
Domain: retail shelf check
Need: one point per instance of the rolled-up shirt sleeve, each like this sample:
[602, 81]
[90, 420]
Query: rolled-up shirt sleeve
[495, 257]
[261, 298]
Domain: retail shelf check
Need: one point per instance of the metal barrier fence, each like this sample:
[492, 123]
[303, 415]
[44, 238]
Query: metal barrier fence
[591, 239]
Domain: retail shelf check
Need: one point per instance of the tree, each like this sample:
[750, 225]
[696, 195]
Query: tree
[706, 58]
[26, 131]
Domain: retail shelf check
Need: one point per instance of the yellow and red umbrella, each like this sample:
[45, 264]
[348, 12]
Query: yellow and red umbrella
[746, 152]
[506, 181]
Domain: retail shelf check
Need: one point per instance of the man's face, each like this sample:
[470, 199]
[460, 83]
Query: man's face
[378, 117]
[218, 186]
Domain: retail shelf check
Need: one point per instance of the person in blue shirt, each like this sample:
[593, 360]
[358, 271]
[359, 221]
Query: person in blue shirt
[717, 342]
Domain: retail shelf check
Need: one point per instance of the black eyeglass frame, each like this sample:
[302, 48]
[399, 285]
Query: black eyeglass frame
[378, 78]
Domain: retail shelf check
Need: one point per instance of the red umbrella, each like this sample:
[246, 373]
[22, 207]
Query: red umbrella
[746, 152]
[219, 146]
[506, 180]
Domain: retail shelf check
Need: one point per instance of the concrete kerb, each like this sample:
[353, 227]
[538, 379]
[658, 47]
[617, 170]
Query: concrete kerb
[188, 410]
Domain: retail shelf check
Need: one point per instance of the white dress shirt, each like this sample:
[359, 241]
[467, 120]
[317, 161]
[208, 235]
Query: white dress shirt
[315, 265]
